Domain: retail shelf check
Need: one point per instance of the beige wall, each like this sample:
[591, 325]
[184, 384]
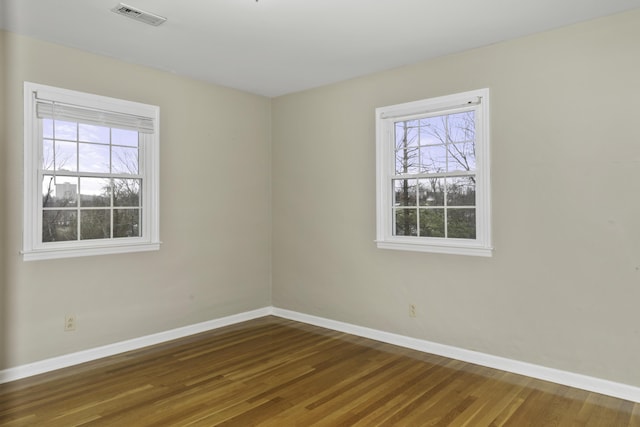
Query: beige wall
[563, 287]
[215, 213]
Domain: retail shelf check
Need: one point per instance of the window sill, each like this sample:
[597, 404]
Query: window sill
[452, 249]
[55, 253]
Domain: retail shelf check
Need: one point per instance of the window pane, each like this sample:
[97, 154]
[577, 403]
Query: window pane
[433, 159]
[432, 131]
[47, 128]
[407, 154]
[432, 192]
[407, 161]
[432, 222]
[66, 156]
[59, 225]
[94, 158]
[404, 192]
[124, 160]
[427, 136]
[405, 222]
[47, 154]
[461, 223]
[461, 191]
[462, 157]
[461, 126]
[66, 130]
[59, 191]
[126, 223]
[124, 137]
[90, 133]
[407, 134]
[95, 192]
[126, 192]
[95, 224]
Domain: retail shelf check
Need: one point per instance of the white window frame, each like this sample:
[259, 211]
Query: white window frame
[386, 117]
[33, 246]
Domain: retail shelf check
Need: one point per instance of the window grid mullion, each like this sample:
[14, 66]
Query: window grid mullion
[435, 175]
[111, 183]
[445, 202]
[93, 175]
[79, 211]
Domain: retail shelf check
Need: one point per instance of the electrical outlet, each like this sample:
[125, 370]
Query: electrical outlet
[412, 310]
[70, 322]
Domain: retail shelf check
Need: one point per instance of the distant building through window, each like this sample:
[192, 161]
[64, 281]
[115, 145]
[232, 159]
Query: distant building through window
[66, 190]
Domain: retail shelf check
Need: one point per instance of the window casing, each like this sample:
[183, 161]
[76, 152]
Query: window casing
[433, 175]
[90, 174]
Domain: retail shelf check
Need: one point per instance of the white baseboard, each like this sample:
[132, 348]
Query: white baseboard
[584, 382]
[71, 359]
[597, 385]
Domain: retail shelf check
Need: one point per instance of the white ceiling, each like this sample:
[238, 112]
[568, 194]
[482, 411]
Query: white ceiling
[274, 47]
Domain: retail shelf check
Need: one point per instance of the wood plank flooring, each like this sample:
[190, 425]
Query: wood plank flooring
[275, 372]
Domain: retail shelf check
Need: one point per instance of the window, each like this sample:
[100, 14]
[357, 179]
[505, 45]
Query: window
[91, 174]
[433, 175]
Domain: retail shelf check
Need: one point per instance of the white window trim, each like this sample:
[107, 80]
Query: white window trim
[33, 247]
[385, 170]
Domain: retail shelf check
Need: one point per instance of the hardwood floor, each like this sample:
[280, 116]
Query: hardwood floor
[275, 372]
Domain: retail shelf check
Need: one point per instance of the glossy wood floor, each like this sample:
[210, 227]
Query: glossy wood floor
[275, 372]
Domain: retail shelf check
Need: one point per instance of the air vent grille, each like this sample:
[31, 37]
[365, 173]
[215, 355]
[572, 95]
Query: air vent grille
[139, 15]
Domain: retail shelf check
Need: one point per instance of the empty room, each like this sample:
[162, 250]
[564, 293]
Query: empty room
[337, 213]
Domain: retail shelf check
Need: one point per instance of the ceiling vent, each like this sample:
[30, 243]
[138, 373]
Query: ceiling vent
[139, 15]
